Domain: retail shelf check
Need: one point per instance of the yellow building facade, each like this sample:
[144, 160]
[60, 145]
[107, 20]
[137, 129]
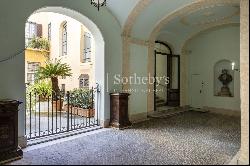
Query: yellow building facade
[34, 58]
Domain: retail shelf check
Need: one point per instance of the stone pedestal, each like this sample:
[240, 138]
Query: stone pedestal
[119, 110]
[225, 92]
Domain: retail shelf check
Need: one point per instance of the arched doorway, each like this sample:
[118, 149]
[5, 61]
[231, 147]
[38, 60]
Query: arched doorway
[167, 74]
[64, 114]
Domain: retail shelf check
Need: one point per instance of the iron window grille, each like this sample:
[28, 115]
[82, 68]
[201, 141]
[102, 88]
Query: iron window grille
[49, 31]
[87, 47]
[64, 40]
[31, 71]
[84, 81]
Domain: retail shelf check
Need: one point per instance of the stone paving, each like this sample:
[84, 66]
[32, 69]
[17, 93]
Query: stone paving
[191, 138]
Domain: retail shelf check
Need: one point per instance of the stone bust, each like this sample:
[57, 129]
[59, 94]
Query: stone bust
[225, 78]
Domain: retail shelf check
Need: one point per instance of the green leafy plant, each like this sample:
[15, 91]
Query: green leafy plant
[81, 98]
[40, 90]
[52, 71]
[39, 43]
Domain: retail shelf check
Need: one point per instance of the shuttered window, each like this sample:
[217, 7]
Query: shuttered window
[31, 71]
[32, 30]
[49, 31]
[64, 39]
[87, 47]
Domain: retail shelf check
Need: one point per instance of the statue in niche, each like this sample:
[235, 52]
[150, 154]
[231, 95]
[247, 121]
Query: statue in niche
[225, 78]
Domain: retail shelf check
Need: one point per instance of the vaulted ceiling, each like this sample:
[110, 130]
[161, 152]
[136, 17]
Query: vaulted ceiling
[187, 25]
[197, 15]
[121, 9]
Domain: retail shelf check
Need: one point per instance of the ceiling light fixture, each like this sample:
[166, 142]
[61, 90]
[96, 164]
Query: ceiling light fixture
[99, 3]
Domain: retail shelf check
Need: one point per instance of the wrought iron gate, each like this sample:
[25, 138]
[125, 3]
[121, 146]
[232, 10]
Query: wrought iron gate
[60, 113]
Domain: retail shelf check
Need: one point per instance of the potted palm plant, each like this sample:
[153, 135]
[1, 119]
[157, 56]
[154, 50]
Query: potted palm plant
[52, 71]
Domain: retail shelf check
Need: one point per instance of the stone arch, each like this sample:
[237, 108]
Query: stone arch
[126, 34]
[179, 12]
[97, 35]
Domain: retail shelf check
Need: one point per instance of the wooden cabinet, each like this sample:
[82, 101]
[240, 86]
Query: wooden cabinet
[9, 149]
[119, 110]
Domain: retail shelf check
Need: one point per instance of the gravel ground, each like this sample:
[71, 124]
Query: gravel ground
[190, 138]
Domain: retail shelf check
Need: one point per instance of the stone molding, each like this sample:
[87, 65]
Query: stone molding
[141, 5]
[244, 84]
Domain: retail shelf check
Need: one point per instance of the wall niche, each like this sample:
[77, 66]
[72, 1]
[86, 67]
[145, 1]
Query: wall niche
[223, 79]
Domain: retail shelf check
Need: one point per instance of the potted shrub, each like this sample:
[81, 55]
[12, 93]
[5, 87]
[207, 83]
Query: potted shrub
[41, 91]
[52, 71]
[81, 102]
[39, 43]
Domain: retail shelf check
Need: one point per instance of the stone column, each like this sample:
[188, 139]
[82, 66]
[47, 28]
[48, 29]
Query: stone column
[244, 77]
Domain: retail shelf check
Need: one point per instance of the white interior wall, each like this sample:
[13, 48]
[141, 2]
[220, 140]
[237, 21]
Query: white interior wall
[206, 50]
[138, 65]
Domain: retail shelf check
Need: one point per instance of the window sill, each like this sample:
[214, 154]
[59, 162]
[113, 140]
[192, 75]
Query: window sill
[86, 63]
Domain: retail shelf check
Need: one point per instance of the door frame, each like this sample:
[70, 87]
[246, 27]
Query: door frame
[170, 56]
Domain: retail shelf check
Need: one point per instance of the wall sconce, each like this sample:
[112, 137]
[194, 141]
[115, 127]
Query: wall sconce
[233, 67]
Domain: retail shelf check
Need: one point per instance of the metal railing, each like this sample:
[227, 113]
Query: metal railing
[59, 113]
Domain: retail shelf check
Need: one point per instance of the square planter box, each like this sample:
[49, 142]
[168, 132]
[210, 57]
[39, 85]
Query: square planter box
[89, 113]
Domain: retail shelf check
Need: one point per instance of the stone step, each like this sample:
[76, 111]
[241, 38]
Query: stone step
[159, 101]
[160, 104]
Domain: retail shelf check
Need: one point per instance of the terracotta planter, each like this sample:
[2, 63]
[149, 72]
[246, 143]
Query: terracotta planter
[57, 106]
[80, 111]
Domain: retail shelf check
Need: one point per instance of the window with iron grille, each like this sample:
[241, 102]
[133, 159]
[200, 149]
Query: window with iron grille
[30, 78]
[30, 31]
[64, 39]
[63, 88]
[49, 31]
[84, 81]
[31, 71]
[87, 47]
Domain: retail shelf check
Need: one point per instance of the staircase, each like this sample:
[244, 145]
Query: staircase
[159, 102]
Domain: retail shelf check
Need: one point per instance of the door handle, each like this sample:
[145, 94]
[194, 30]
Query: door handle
[200, 91]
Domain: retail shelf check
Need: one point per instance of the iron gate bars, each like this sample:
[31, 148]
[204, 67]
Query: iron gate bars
[47, 115]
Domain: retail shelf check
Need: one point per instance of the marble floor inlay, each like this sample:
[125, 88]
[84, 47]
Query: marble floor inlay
[188, 138]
